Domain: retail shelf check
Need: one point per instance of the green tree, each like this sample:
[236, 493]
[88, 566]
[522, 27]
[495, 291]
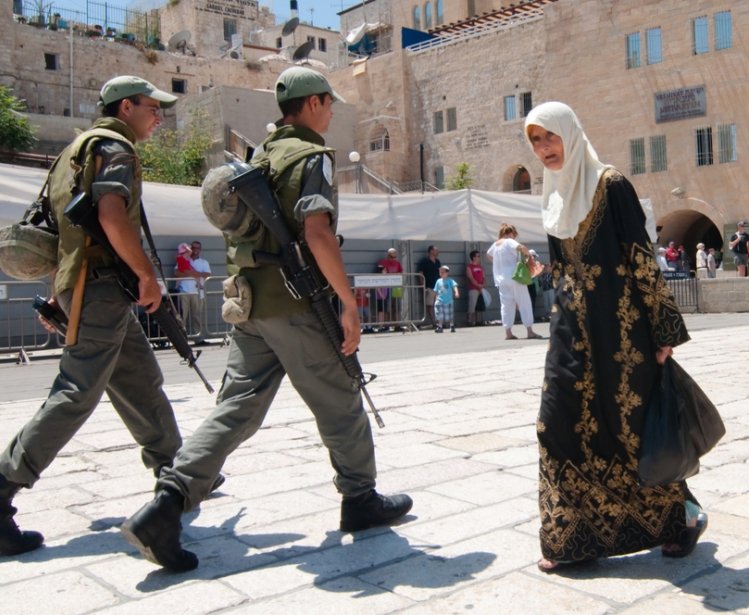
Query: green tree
[178, 156]
[15, 131]
[462, 178]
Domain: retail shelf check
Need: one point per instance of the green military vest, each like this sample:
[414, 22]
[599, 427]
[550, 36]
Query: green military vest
[75, 172]
[283, 157]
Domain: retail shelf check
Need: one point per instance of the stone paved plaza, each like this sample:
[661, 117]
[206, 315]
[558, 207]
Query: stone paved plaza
[460, 415]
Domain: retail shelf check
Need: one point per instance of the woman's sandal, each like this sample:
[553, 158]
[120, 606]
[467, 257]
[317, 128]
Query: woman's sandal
[511, 337]
[550, 566]
[689, 540]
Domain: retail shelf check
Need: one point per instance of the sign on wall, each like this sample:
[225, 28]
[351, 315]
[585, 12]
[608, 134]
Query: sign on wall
[680, 104]
[233, 8]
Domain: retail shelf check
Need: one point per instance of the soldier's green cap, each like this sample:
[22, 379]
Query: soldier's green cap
[299, 81]
[127, 85]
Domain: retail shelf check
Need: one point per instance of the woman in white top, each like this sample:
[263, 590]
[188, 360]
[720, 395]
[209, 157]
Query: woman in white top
[504, 255]
[701, 261]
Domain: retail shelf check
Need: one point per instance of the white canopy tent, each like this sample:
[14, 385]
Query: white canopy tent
[463, 215]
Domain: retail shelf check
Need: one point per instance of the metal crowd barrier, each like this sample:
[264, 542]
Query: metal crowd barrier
[684, 288]
[20, 330]
[388, 301]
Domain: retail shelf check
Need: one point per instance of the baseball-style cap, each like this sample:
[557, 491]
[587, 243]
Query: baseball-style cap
[445, 267]
[183, 248]
[392, 251]
[741, 223]
[299, 81]
[127, 85]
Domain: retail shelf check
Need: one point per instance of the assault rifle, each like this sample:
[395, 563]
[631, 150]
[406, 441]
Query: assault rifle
[297, 267]
[82, 213]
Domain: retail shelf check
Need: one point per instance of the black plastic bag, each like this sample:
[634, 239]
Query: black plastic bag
[681, 425]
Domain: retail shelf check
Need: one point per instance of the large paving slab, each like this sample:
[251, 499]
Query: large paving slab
[460, 413]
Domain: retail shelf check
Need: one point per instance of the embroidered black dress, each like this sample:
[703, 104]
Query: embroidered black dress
[612, 310]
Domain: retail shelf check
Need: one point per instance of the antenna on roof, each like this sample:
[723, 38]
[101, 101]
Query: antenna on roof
[303, 51]
[179, 41]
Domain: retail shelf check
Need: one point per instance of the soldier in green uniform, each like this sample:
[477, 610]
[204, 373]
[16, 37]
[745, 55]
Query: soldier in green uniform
[281, 336]
[111, 352]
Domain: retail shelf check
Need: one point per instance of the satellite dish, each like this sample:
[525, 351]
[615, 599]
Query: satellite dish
[178, 42]
[303, 51]
[290, 26]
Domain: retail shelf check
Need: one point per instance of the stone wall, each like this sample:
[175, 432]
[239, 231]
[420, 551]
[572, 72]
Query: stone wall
[724, 294]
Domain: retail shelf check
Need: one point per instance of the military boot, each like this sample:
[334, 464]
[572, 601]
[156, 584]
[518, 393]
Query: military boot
[155, 531]
[12, 540]
[372, 509]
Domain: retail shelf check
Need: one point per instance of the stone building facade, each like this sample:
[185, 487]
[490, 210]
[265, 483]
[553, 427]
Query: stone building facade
[659, 86]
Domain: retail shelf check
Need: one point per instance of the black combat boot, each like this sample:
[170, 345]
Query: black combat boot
[371, 509]
[155, 529]
[12, 540]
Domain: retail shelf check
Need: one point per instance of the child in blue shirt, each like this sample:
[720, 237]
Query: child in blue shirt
[447, 292]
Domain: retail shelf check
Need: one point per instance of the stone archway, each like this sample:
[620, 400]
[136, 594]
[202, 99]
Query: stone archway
[688, 228]
[516, 179]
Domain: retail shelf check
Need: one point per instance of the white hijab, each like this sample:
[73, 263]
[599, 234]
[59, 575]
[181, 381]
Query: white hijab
[568, 192]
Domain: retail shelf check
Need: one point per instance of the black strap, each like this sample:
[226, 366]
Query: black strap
[154, 254]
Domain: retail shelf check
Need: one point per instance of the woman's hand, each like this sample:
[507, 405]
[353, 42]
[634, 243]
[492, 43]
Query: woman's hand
[663, 353]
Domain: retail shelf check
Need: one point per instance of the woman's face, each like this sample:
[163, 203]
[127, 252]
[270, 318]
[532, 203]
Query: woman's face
[547, 146]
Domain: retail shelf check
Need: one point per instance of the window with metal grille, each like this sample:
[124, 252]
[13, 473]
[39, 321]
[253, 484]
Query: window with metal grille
[526, 103]
[179, 86]
[637, 156]
[699, 35]
[230, 29]
[380, 142]
[655, 45]
[633, 50]
[704, 146]
[452, 119]
[727, 143]
[723, 30]
[322, 44]
[438, 120]
[658, 158]
[509, 107]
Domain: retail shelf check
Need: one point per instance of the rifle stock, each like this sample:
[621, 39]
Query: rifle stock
[82, 213]
[302, 279]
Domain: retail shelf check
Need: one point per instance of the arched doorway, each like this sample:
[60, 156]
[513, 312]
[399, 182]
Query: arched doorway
[521, 181]
[688, 228]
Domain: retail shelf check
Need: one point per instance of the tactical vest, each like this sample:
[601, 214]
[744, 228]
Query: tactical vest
[282, 156]
[74, 173]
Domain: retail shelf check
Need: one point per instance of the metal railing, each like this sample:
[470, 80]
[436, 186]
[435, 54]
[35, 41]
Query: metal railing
[684, 288]
[20, 331]
[389, 301]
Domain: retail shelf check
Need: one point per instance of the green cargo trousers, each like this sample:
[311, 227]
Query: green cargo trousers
[112, 355]
[262, 351]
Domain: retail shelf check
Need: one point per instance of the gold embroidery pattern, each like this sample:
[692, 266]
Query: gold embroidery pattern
[601, 498]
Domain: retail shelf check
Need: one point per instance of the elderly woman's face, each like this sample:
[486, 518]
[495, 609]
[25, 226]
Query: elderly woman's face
[547, 146]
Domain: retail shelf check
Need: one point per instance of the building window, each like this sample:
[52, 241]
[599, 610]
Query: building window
[179, 86]
[322, 45]
[311, 39]
[439, 12]
[637, 156]
[230, 29]
[633, 50]
[51, 61]
[439, 122]
[471, 8]
[416, 18]
[380, 142]
[704, 143]
[655, 45]
[509, 106]
[427, 15]
[723, 34]
[452, 119]
[279, 43]
[699, 35]
[727, 143]
[439, 177]
[658, 159]
[526, 103]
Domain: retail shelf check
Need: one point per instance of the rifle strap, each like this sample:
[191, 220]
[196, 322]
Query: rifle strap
[76, 301]
[154, 255]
